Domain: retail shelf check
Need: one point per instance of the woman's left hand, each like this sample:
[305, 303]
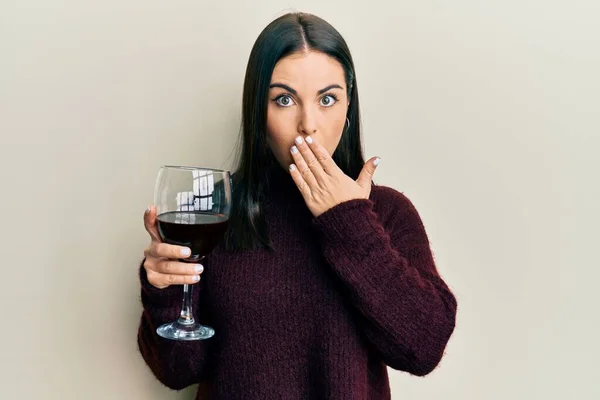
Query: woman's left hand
[322, 183]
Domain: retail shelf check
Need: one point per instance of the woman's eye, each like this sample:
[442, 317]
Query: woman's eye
[328, 101]
[284, 101]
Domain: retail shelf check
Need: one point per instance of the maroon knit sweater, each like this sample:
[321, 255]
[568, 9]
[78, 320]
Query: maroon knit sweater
[342, 296]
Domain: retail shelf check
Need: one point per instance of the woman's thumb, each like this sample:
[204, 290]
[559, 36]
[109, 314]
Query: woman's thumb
[366, 175]
[150, 223]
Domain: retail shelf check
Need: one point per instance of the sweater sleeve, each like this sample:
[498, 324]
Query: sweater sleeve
[386, 265]
[177, 364]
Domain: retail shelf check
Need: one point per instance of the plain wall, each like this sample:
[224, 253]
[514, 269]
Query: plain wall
[485, 114]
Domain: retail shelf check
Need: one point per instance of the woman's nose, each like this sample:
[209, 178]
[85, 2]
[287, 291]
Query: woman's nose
[308, 123]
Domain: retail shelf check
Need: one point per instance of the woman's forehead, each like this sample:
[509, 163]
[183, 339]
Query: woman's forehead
[308, 70]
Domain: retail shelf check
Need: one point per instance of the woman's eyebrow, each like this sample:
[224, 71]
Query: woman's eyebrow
[294, 92]
[286, 87]
[329, 88]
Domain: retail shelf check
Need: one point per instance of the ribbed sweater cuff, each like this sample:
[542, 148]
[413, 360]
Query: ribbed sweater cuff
[357, 247]
[353, 221]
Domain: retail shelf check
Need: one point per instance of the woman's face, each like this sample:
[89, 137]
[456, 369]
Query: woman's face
[307, 96]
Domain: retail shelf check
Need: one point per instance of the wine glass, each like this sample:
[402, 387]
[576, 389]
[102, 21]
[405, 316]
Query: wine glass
[193, 206]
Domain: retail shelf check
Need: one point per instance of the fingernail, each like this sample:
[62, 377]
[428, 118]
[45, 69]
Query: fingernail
[294, 149]
[186, 252]
[299, 140]
[199, 268]
[309, 140]
[196, 278]
[147, 210]
[377, 161]
[292, 167]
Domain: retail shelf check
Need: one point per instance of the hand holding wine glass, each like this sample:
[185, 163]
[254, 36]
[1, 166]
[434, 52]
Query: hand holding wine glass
[162, 264]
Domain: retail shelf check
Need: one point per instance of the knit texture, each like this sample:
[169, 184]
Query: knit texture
[342, 296]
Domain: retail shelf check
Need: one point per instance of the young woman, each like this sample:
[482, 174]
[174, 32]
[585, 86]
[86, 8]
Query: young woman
[324, 278]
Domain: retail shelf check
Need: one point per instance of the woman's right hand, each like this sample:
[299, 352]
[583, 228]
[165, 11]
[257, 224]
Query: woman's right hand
[162, 264]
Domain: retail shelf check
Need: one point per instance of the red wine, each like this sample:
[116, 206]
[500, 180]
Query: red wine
[197, 230]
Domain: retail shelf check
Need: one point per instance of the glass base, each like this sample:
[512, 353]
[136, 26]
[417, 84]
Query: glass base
[178, 331]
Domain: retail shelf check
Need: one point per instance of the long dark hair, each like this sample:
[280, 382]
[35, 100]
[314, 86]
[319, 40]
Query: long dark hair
[287, 34]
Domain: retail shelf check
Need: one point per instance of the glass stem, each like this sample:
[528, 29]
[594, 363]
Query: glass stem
[186, 317]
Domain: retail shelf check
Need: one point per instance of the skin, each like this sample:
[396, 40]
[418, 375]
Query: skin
[306, 116]
[305, 121]
[308, 107]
